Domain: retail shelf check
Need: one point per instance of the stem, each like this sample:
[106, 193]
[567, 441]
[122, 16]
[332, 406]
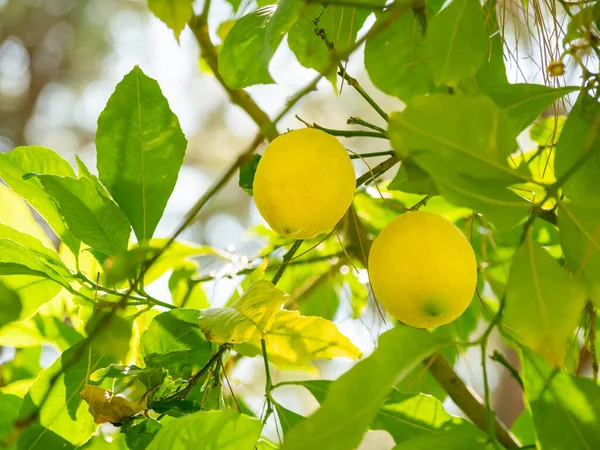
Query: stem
[372, 154]
[345, 133]
[499, 358]
[356, 85]
[364, 123]
[467, 400]
[486, 391]
[377, 170]
[289, 255]
[591, 338]
[196, 377]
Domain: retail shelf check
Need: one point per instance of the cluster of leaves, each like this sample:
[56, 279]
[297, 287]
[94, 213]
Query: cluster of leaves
[532, 214]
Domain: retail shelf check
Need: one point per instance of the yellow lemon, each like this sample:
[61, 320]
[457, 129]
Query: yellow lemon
[423, 269]
[304, 183]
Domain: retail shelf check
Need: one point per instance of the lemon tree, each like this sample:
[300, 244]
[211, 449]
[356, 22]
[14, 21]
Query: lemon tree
[452, 223]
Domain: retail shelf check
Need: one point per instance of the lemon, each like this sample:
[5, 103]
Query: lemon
[423, 269]
[304, 183]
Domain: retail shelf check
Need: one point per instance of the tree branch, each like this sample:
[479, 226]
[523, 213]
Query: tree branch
[467, 400]
[240, 97]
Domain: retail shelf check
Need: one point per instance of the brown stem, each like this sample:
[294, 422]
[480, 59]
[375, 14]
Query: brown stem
[467, 400]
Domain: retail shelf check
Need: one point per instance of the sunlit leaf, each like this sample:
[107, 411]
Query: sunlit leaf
[18, 260]
[38, 160]
[174, 13]
[10, 305]
[206, 430]
[90, 216]
[185, 292]
[579, 227]
[249, 46]
[493, 71]
[525, 102]
[297, 340]
[543, 304]
[39, 330]
[140, 431]
[62, 410]
[105, 407]
[140, 149]
[456, 43]
[248, 318]
[413, 419]
[565, 408]
[113, 336]
[288, 419]
[395, 59]
[579, 141]
[174, 341]
[15, 213]
[373, 378]
[476, 138]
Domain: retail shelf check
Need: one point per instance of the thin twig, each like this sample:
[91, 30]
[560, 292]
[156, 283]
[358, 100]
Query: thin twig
[364, 123]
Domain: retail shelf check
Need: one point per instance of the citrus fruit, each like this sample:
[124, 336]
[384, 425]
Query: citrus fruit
[423, 269]
[304, 183]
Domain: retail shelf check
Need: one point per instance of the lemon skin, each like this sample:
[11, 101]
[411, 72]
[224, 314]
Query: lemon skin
[423, 270]
[304, 183]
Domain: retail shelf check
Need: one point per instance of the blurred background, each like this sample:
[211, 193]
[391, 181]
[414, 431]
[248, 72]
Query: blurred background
[61, 59]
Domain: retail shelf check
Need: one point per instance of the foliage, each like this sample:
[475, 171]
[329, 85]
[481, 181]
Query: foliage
[496, 158]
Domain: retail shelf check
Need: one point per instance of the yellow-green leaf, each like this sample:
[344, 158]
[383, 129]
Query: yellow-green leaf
[174, 13]
[248, 318]
[297, 340]
[105, 407]
[543, 303]
[580, 239]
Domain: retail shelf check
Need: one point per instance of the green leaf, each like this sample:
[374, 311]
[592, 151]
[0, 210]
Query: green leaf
[297, 340]
[140, 150]
[62, 411]
[247, 172]
[493, 72]
[341, 25]
[248, 318]
[207, 430]
[525, 102]
[543, 304]
[114, 335]
[475, 139]
[140, 431]
[50, 256]
[15, 213]
[10, 305]
[373, 378]
[500, 205]
[395, 59]
[174, 341]
[579, 229]
[288, 419]
[39, 330]
[39, 160]
[91, 217]
[174, 13]
[185, 292]
[524, 429]
[580, 140]
[415, 418]
[9, 405]
[118, 371]
[412, 179]
[565, 408]
[318, 388]
[249, 46]
[18, 260]
[245, 56]
[456, 438]
[84, 172]
[456, 43]
[34, 290]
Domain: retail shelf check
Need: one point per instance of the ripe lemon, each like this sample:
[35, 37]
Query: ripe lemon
[423, 269]
[304, 183]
